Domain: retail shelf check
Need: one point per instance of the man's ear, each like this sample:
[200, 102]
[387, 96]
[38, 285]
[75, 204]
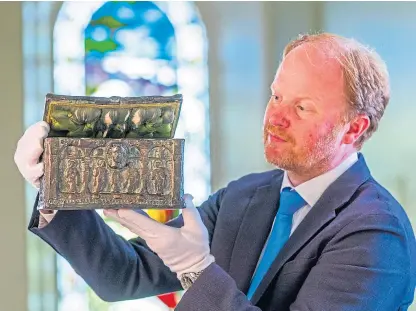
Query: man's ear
[357, 126]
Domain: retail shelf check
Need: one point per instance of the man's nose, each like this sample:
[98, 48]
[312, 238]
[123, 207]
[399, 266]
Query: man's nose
[279, 118]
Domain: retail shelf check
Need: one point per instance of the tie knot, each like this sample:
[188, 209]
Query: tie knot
[290, 201]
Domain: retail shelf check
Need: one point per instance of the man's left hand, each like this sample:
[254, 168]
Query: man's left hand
[183, 249]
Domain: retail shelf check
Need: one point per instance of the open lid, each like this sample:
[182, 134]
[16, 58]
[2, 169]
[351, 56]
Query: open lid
[112, 117]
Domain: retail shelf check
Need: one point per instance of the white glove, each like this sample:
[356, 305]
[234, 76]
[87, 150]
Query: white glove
[183, 249]
[29, 149]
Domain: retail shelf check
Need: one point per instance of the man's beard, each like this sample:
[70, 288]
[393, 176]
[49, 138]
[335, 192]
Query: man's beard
[306, 159]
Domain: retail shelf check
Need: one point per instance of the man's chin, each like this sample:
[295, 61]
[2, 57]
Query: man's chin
[276, 160]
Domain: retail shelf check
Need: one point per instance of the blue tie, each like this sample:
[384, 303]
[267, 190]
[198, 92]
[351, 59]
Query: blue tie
[290, 202]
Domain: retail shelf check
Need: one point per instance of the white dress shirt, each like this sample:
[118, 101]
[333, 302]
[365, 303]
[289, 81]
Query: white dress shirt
[312, 190]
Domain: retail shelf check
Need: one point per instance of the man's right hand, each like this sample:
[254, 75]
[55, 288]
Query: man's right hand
[28, 151]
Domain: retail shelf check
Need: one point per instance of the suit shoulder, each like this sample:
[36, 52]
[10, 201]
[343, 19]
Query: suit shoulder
[379, 200]
[255, 180]
[373, 199]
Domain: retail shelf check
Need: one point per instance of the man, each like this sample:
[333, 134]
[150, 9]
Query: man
[319, 233]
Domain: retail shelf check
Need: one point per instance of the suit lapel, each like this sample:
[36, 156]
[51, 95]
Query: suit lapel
[253, 232]
[325, 210]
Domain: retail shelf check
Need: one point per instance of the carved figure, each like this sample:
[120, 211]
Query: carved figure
[159, 180]
[99, 177]
[71, 177]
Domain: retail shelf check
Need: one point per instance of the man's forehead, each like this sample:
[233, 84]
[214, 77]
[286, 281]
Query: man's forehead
[309, 62]
[308, 71]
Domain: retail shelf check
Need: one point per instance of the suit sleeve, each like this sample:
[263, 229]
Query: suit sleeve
[215, 290]
[365, 267]
[114, 268]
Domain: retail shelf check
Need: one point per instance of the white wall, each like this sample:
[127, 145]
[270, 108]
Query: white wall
[13, 290]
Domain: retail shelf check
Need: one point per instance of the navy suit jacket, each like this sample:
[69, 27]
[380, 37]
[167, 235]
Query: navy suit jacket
[354, 251]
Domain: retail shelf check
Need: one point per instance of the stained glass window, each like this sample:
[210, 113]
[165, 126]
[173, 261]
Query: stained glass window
[129, 48]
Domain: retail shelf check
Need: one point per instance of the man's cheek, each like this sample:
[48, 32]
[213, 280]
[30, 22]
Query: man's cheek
[309, 141]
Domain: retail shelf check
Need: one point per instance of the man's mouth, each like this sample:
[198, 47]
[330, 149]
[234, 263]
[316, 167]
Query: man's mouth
[271, 137]
[274, 139]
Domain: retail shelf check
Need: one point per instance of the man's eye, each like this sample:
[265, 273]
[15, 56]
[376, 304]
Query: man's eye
[275, 97]
[301, 108]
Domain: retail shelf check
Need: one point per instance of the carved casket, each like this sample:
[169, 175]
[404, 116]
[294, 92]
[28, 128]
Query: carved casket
[112, 153]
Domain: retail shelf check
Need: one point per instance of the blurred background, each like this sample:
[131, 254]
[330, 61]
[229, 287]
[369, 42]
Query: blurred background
[222, 57]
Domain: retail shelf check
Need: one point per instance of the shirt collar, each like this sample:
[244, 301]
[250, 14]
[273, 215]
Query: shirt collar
[312, 189]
